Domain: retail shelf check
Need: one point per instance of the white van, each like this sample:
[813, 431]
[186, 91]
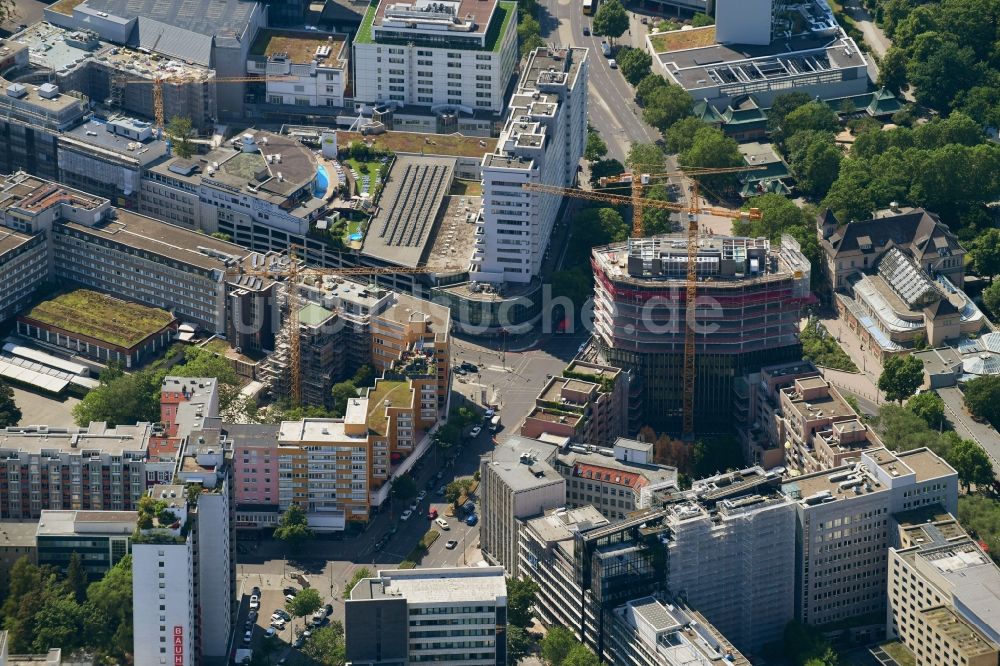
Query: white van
[442, 523]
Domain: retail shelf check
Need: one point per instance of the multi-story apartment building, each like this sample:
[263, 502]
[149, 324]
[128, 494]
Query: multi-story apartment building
[91, 468]
[24, 264]
[100, 538]
[541, 143]
[320, 353]
[324, 466]
[184, 569]
[942, 601]
[666, 632]
[615, 481]
[451, 54]
[140, 259]
[587, 404]
[846, 524]
[737, 517]
[756, 292]
[823, 430]
[546, 555]
[411, 616]
[310, 68]
[255, 473]
[185, 403]
[757, 410]
[516, 482]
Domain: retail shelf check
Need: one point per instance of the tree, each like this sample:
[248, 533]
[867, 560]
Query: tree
[700, 20]
[305, 602]
[596, 147]
[581, 655]
[665, 105]
[656, 221]
[605, 169]
[557, 644]
[359, 575]
[803, 643]
[782, 106]
[635, 65]
[901, 377]
[109, 611]
[125, 399]
[980, 515]
[712, 148]
[520, 599]
[941, 69]
[611, 20]
[453, 491]
[326, 645]
[518, 644]
[991, 299]
[199, 362]
[647, 157]
[293, 528]
[404, 488]
[10, 413]
[815, 160]
[985, 254]
[76, 578]
[648, 85]
[982, 398]
[680, 135]
[815, 116]
[529, 33]
[892, 70]
[972, 464]
[180, 131]
[342, 393]
[929, 406]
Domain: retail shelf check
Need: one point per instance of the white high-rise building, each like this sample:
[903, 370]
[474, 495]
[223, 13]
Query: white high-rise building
[183, 564]
[541, 143]
[846, 524]
[455, 54]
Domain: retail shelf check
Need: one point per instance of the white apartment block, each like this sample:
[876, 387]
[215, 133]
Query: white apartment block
[731, 555]
[541, 144]
[303, 68]
[846, 524]
[517, 482]
[454, 54]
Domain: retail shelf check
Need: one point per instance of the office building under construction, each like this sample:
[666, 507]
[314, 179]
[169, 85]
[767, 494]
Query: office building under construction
[750, 295]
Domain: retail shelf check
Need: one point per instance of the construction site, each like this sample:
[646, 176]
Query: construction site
[749, 300]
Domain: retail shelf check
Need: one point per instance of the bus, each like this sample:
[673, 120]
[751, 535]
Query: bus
[588, 7]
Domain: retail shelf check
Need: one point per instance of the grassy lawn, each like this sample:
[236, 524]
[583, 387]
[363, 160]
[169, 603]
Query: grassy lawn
[457, 145]
[900, 653]
[467, 188]
[364, 35]
[95, 315]
[823, 349]
[371, 169]
[683, 39]
[393, 391]
[217, 345]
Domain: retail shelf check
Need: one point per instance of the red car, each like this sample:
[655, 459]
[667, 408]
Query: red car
[432, 514]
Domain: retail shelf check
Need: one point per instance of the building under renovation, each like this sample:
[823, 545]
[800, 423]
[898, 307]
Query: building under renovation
[750, 296]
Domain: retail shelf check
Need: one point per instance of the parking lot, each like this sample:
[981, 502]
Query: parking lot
[276, 639]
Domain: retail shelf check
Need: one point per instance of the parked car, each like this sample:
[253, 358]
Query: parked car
[271, 632]
[489, 414]
[289, 597]
[475, 431]
[278, 623]
[451, 544]
[421, 495]
[472, 520]
[586, 31]
[458, 370]
[605, 48]
[328, 609]
[256, 591]
[440, 491]
[252, 616]
[612, 63]
[254, 602]
[645, 20]
[290, 590]
[432, 514]
[469, 367]
[283, 614]
[413, 505]
[299, 642]
[406, 515]
[442, 523]
[248, 636]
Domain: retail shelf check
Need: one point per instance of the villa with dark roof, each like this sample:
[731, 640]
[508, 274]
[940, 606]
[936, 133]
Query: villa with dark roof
[897, 280]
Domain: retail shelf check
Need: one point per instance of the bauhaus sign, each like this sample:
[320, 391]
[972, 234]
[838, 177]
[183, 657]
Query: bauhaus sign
[178, 645]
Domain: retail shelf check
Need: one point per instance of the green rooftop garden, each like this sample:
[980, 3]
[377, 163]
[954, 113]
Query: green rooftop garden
[505, 13]
[101, 317]
[397, 392]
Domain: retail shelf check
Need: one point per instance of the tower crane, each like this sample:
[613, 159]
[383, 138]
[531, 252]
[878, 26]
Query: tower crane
[693, 209]
[292, 273]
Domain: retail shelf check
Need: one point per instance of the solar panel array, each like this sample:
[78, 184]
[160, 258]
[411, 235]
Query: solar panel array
[411, 214]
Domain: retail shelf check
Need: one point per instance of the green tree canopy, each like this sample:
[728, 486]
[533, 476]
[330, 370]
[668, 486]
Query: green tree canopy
[680, 135]
[665, 105]
[985, 253]
[991, 299]
[892, 70]
[656, 221]
[359, 574]
[604, 169]
[518, 644]
[814, 116]
[557, 644]
[122, 400]
[520, 600]
[293, 528]
[342, 393]
[646, 157]
[781, 107]
[635, 65]
[306, 602]
[596, 147]
[581, 655]
[648, 85]
[611, 20]
[180, 130]
[982, 398]
[929, 406]
[815, 160]
[10, 413]
[404, 488]
[972, 464]
[326, 645]
[901, 376]
[712, 148]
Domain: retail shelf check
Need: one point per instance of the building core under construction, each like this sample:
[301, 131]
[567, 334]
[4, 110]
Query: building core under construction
[750, 295]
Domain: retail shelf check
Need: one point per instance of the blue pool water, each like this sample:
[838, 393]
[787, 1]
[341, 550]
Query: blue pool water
[356, 237]
[321, 183]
